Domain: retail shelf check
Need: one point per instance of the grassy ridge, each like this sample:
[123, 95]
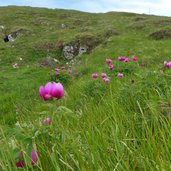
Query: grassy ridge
[123, 125]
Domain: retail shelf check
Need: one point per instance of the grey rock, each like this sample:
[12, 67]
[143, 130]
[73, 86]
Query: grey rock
[68, 52]
[83, 49]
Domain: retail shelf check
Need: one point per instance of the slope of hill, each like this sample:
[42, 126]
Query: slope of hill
[120, 125]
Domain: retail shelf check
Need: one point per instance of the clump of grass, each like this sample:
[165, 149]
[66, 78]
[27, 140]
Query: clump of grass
[162, 34]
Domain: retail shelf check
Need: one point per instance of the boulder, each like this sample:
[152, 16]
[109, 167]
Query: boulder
[83, 49]
[68, 51]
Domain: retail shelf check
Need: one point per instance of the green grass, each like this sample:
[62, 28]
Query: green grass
[123, 125]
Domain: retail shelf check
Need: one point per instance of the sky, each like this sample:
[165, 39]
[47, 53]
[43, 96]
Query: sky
[156, 7]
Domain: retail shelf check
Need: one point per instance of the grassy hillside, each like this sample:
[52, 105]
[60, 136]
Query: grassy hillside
[120, 125]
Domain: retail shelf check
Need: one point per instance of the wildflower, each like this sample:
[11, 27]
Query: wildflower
[49, 73]
[127, 60]
[106, 80]
[20, 59]
[15, 65]
[120, 75]
[20, 155]
[108, 61]
[20, 163]
[103, 75]
[111, 67]
[57, 69]
[94, 75]
[47, 121]
[134, 58]
[51, 90]
[167, 64]
[121, 58]
[69, 71]
[57, 73]
[62, 67]
[142, 64]
[34, 157]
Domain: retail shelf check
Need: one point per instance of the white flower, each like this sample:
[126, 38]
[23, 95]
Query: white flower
[15, 65]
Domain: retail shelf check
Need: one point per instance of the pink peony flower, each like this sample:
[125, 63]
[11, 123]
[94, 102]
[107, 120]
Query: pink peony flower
[94, 75]
[34, 157]
[111, 67]
[69, 71]
[57, 69]
[47, 121]
[103, 75]
[142, 64]
[120, 75]
[62, 67]
[134, 58]
[121, 58]
[106, 80]
[167, 64]
[57, 73]
[108, 61]
[20, 155]
[51, 90]
[20, 163]
[127, 60]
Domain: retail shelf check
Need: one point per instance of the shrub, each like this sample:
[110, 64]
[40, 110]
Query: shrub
[63, 78]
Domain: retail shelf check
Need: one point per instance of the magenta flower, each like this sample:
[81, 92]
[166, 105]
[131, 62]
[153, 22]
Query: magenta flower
[62, 67]
[57, 90]
[106, 80]
[57, 69]
[20, 163]
[127, 60]
[120, 75]
[167, 64]
[142, 64]
[110, 67]
[104, 75]
[134, 58]
[94, 75]
[69, 71]
[51, 90]
[47, 121]
[34, 157]
[20, 155]
[108, 61]
[57, 73]
[121, 58]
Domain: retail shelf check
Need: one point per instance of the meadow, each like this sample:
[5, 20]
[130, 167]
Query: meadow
[119, 124]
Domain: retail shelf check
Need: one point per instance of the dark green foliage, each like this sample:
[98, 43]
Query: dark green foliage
[162, 34]
[95, 89]
[63, 78]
